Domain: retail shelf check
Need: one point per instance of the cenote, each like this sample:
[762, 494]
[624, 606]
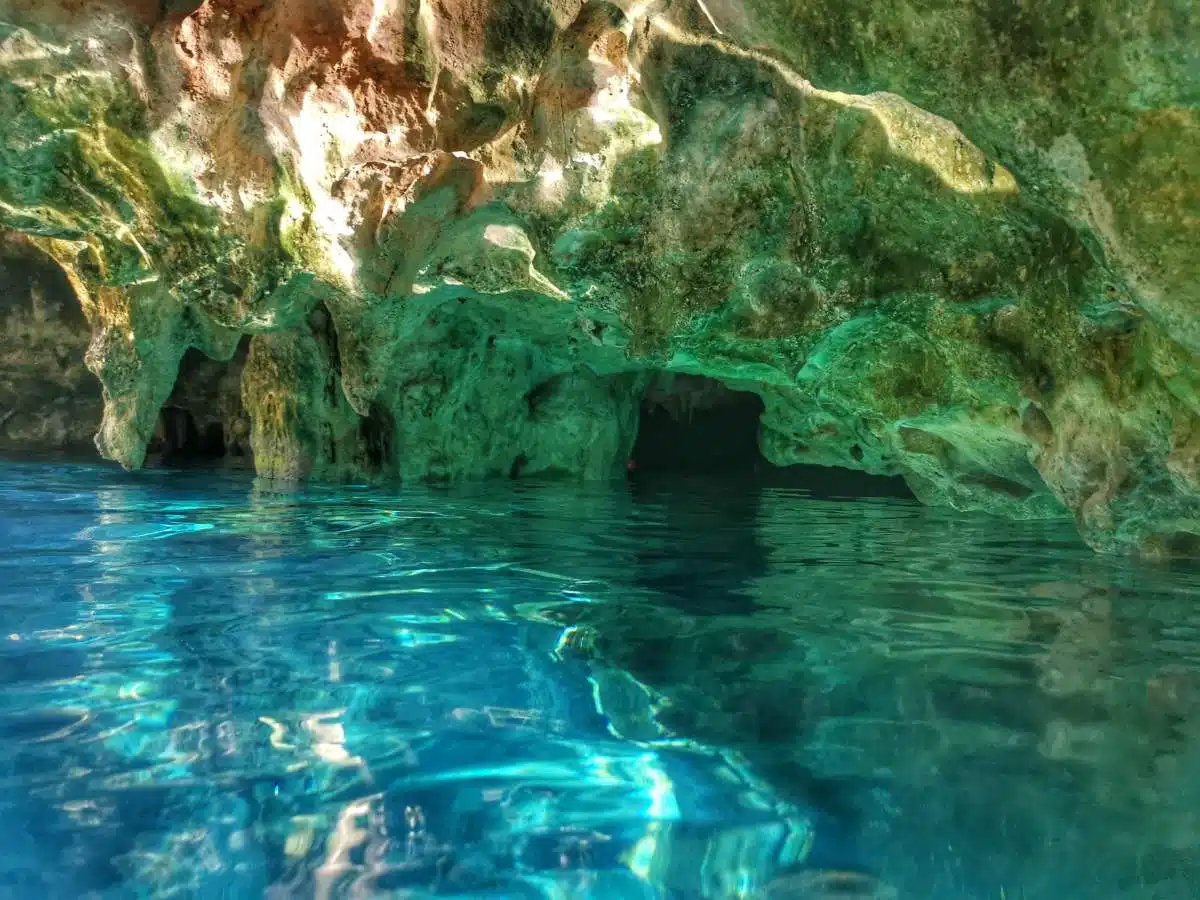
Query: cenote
[599, 450]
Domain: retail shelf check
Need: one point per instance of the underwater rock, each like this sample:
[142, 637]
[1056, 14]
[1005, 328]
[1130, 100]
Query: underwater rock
[461, 239]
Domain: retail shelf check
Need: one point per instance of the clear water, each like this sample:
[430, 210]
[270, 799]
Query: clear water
[209, 688]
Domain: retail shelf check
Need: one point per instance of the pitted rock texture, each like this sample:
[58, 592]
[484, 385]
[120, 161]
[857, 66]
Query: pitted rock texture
[453, 239]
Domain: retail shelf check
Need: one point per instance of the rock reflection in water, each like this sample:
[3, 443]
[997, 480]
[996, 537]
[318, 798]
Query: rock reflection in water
[981, 705]
[229, 690]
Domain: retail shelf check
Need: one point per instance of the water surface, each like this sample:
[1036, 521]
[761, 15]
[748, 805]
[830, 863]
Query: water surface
[212, 688]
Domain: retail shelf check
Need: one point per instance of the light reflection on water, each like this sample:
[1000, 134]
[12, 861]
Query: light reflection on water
[212, 688]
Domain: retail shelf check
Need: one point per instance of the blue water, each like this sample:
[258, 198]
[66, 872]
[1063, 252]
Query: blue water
[214, 688]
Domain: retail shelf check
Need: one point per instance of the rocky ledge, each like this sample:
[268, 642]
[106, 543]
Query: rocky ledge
[952, 241]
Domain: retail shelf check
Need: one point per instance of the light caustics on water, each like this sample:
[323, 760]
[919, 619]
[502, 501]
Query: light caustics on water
[212, 689]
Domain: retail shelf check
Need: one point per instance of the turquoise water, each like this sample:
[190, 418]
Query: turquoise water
[210, 688]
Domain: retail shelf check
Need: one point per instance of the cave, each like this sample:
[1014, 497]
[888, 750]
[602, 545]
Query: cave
[49, 401]
[178, 441]
[203, 423]
[691, 425]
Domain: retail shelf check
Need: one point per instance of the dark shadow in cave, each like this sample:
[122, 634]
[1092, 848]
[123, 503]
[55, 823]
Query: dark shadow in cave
[23, 270]
[178, 442]
[695, 426]
[203, 423]
[378, 435]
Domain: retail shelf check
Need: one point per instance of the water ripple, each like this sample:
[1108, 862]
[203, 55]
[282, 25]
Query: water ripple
[212, 687]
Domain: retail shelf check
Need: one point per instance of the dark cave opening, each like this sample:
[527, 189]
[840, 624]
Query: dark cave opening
[691, 425]
[378, 435]
[203, 424]
[178, 441]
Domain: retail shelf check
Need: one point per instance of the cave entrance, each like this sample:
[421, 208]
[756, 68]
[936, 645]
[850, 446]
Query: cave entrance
[691, 425]
[178, 441]
[203, 423]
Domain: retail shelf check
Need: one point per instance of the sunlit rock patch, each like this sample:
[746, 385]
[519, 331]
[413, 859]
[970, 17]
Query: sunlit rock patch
[461, 239]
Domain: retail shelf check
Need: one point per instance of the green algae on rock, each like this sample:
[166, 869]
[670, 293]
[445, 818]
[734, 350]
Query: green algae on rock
[462, 241]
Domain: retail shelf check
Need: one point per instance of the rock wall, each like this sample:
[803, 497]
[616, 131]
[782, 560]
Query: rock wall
[955, 242]
[48, 400]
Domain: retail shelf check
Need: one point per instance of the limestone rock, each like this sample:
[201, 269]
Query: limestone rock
[954, 242]
[48, 399]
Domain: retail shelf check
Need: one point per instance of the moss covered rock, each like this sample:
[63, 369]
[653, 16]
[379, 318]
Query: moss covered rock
[954, 241]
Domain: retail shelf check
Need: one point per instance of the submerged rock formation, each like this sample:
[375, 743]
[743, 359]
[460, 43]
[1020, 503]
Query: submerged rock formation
[461, 238]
